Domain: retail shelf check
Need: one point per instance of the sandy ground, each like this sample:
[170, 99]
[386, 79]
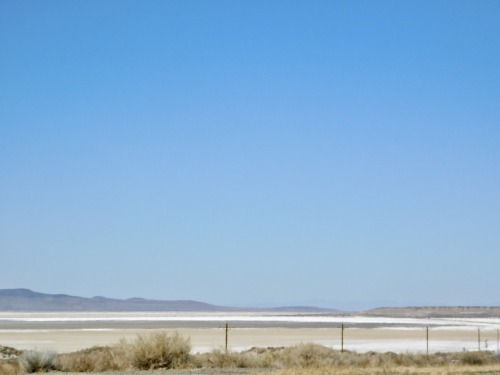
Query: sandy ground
[364, 339]
[67, 336]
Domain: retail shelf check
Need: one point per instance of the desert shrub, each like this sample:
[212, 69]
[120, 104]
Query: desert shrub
[9, 367]
[413, 359]
[95, 359]
[6, 352]
[303, 355]
[476, 358]
[218, 358]
[158, 350]
[391, 359]
[263, 357]
[310, 355]
[496, 357]
[439, 359]
[37, 360]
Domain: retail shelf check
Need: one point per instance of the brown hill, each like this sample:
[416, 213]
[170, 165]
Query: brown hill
[436, 312]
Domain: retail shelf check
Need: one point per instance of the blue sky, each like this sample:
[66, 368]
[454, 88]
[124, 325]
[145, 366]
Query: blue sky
[344, 153]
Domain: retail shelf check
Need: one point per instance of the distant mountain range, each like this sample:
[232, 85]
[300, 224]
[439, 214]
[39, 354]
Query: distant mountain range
[25, 300]
[28, 300]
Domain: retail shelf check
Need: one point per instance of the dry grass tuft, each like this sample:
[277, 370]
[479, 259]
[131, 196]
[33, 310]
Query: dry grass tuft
[158, 350]
[477, 358]
[220, 359]
[9, 367]
[9, 364]
[7, 352]
[93, 360]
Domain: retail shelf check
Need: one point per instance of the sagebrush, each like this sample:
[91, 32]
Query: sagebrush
[38, 360]
[158, 350]
[95, 359]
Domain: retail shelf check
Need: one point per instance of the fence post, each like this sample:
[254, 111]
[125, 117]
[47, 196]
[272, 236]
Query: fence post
[427, 339]
[342, 339]
[227, 332]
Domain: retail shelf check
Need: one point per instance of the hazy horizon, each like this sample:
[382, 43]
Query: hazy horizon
[342, 306]
[242, 153]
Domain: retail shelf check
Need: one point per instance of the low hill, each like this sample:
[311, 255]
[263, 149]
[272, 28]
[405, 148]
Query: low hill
[436, 312]
[25, 300]
[28, 300]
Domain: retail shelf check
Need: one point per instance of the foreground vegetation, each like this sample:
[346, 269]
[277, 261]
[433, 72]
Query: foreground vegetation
[162, 351]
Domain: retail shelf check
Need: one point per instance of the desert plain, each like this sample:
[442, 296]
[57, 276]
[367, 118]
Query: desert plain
[68, 332]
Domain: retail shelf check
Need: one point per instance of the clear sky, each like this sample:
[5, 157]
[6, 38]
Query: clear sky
[342, 153]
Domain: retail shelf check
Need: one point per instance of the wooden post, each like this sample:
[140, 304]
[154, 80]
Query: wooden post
[342, 339]
[427, 339]
[227, 331]
[498, 336]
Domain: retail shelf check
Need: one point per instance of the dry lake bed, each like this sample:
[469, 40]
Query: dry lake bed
[66, 332]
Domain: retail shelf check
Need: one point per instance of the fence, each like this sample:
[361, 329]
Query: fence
[210, 331]
[380, 339]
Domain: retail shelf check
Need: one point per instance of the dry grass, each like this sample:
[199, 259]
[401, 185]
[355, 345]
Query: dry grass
[9, 367]
[310, 359]
[146, 352]
[7, 352]
[160, 350]
[220, 359]
[93, 360]
[396, 370]
[312, 356]
[9, 364]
